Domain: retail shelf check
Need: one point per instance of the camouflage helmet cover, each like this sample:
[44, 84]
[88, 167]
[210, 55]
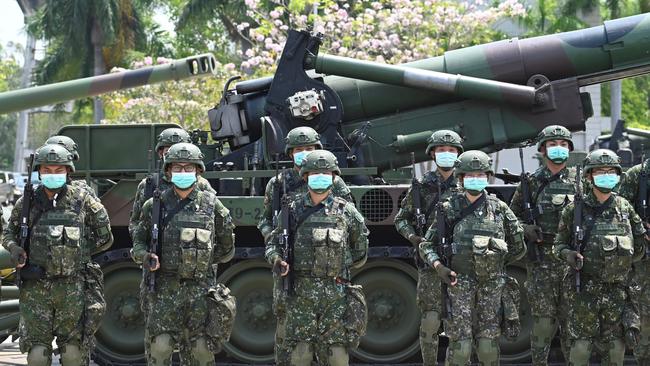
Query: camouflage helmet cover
[53, 154]
[66, 142]
[171, 136]
[473, 161]
[445, 138]
[602, 158]
[302, 136]
[184, 152]
[320, 161]
[554, 132]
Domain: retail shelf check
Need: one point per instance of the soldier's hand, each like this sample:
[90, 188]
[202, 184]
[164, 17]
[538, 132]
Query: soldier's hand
[632, 336]
[574, 259]
[415, 239]
[18, 256]
[533, 233]
[150, 262]
[447, 275]
[280, 267]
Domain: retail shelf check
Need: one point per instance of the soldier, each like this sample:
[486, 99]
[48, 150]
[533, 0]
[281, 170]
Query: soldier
[444, 147]
[299, 142]
[196, 235]
[54, 270]
[612, 237]
[325, 314]
[486, 236]
[550, 188]
[71, 146]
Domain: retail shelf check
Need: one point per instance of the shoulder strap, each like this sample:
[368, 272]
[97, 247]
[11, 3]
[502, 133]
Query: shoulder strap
[171, 213]
[597, 211]
[468, 210]
[545, 182]
[444, 186]
[305, 214]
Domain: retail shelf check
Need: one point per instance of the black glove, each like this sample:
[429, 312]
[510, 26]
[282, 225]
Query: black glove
[18, 255]
[447, 275]
[632, 337]
[532, 233]
[572, 257]
[415, 239]
[150, 262]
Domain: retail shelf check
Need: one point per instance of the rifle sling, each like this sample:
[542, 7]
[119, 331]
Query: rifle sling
[432, 206]
[305, 215]
[545, 183]
[596, 213]
[468, 210]
[171, 213]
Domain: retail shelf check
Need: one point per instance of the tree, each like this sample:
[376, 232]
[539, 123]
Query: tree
[9, 79]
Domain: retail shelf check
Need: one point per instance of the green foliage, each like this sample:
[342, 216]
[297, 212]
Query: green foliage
[635, 101]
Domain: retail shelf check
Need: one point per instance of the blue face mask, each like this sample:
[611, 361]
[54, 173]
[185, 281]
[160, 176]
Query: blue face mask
[475, 184]
[606, 182]
[320, 183]
[54, 181]
[299, 156]
[557, 154]
[183, 180]
[446, 159]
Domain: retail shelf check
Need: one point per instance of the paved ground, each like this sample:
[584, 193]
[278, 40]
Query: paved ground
[10, 355]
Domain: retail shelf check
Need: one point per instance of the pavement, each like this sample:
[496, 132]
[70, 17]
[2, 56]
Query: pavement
[10, 355]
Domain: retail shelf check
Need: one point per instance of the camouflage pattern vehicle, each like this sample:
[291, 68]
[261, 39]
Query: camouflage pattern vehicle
[371, 116]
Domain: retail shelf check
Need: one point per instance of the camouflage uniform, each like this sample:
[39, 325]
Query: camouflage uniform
[629, 189]
[484, 242]
[325, 314]
[63, 303]
[614, 239]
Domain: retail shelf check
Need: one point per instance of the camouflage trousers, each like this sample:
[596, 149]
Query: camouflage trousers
[429, 301]
[282, 349]
[544, 290]
[640, 293]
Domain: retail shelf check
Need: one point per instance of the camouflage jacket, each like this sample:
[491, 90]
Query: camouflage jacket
[81, 184]
[491, 229]
[59, 229]
[548, 203]
[616, 238]
[405, 218]
[194, 240]
[295, 186]
[329, 242]
[629, 186]
[140, 198]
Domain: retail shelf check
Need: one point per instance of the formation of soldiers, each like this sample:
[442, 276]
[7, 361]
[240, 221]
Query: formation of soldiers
[586, 261]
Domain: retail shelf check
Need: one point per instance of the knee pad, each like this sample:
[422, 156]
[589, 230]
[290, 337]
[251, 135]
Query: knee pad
[338, 356]
[487, 350]
[616, 352]
[429, 326]
[543, 331]
[301, 355]
[459, 352]
[201, 352]
[161, 349]
[580, 352]
[39, 356]
[71, 355]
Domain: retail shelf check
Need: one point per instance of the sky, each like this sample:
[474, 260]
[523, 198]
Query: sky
[12, 27]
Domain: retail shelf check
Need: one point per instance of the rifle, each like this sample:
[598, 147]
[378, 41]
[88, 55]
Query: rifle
[534, 254]
[446, 253]
[642, 194]
[277, 195]
[154, 182]
[286, 240]
[578, 231]
[28, 195]
[420, 218]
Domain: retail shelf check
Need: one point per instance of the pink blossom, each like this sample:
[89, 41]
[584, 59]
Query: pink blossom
[253, 4]
[229, 66]
[342, 13]
[274, 14]
[148, 60]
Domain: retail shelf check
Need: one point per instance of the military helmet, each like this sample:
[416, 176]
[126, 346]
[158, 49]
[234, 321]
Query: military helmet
[171, 136]
[184, 152]
[302, 136]
[53, 154]
[473, 161]
[66, 142]
[445, 138]
[319, 161]
[554, 132]
[602, 158]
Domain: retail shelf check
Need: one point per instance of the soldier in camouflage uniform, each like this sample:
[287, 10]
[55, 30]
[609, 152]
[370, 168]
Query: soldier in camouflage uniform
[551, 188]
[298, 143]
[485, 237]
[632, 190]
[197, 234]
[71, 146]
[325, 314]
[56, 272]
[613, 238]
[444, 147]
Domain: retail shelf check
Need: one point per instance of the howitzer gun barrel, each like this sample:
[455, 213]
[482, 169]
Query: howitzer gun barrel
[190, 67]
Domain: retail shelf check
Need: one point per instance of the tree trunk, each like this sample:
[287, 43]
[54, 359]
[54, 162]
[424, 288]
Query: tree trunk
[98, 69]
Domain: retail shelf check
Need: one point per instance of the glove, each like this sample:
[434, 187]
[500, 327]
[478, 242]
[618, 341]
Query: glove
[574, 259]
[447, 275]
[280, 267]
[150, 262]
[18, 255]
[632, 337]
[415, 239]
[532, 233]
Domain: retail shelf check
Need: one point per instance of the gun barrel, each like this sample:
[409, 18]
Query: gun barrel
[190, 67]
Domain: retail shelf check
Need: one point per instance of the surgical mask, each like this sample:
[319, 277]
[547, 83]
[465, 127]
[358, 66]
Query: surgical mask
[183, 180]
[557, 154]
[320, 183]
[299, 156]
[446, 159]
[475, 184]
[54, 181]
[606, 182]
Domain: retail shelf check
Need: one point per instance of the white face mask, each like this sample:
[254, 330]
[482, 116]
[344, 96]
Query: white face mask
[446, 159]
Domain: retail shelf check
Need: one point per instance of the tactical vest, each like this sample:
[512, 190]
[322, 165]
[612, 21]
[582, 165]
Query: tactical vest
[429, 194]
[320, 245]
[188, 240]
[610, 247]
[57, 242]
[550, 203]
[478, 245]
